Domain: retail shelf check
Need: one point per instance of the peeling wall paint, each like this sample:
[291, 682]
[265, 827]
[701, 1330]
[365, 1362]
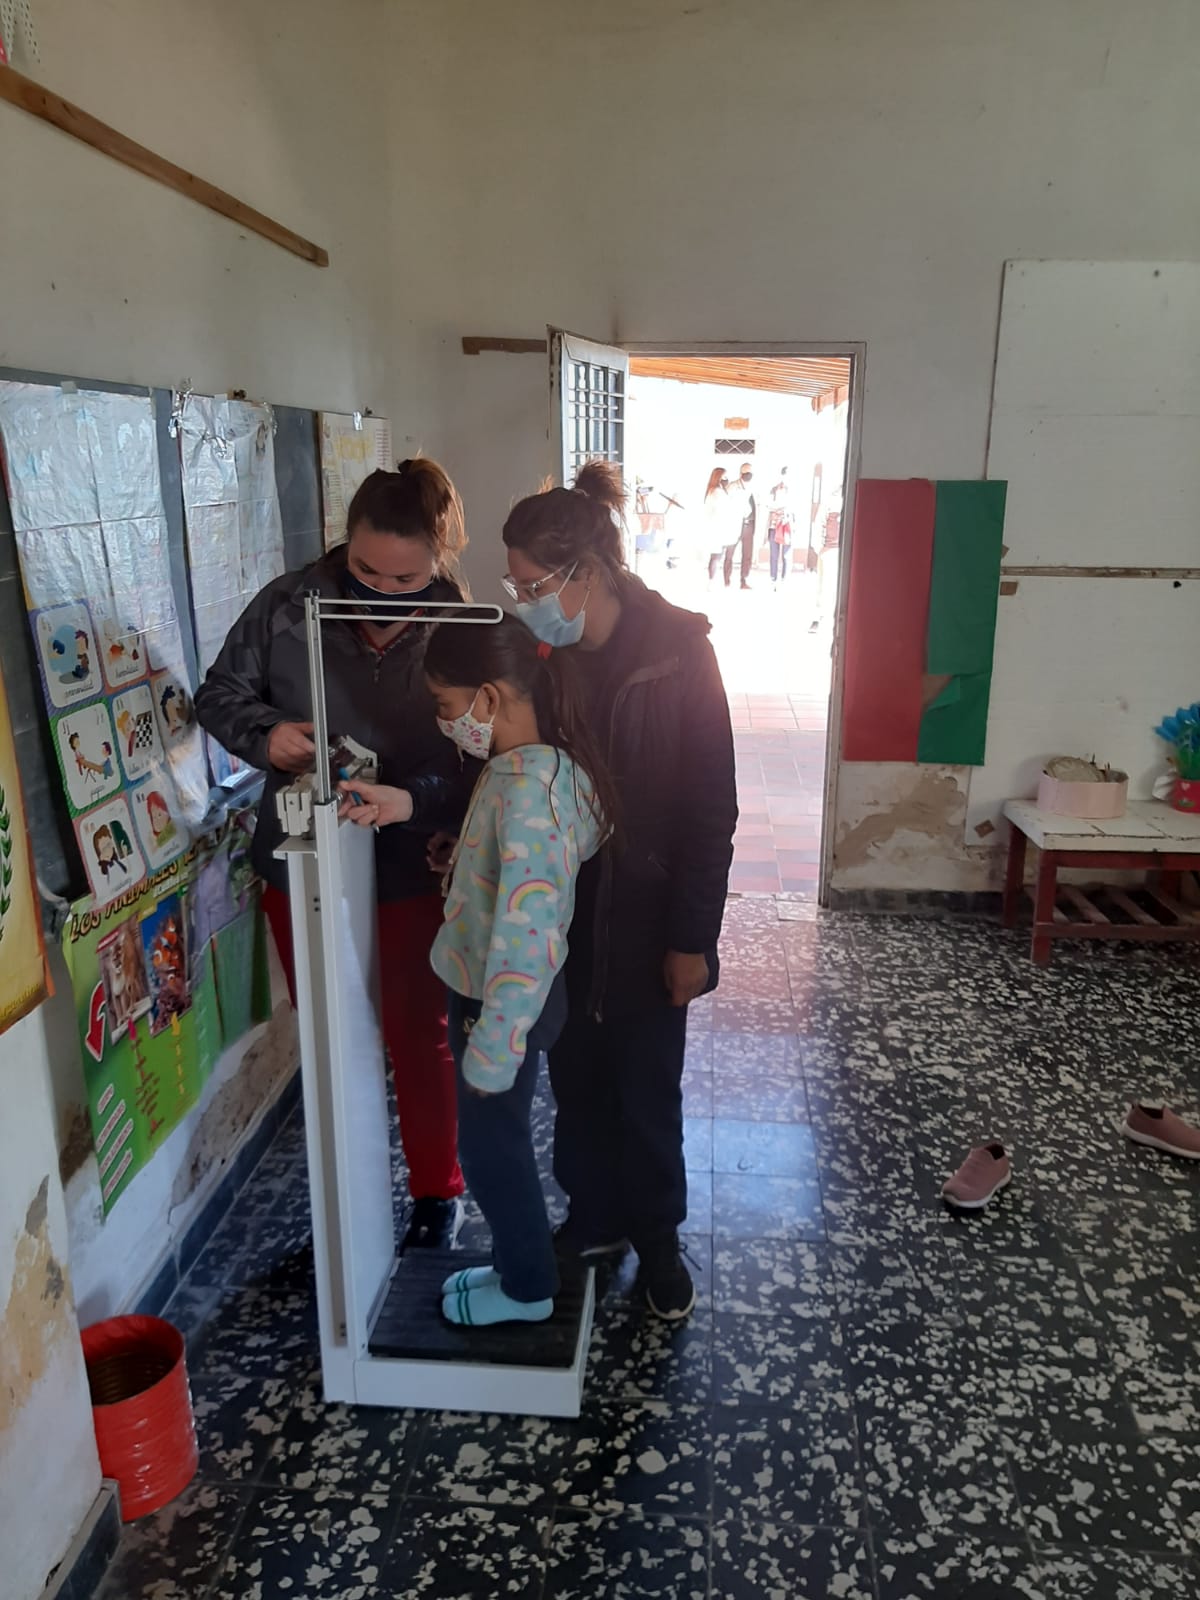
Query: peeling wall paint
[37, 1313]
[903, 827]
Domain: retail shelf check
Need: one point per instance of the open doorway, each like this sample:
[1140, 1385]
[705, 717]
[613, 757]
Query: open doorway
[760, 557]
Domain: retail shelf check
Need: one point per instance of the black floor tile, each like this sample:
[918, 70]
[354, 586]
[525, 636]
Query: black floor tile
[942, 1470]
[939, 1566]
[1102, 1491]
[504, 1462]
[650, 1457]
[775, 1361]
[783, 1467]
[175, 1553]
[774, 1277]
[1110, 1574]
[755, 1560]
[627, 1558]
[318, 1544]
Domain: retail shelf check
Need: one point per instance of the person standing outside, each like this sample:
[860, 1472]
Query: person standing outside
[649, 907]
[719, 514]
[743, 498]
[404, 536]
[779, 529]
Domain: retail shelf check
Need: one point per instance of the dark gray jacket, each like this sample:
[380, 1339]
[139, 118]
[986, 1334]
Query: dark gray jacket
[379, 698]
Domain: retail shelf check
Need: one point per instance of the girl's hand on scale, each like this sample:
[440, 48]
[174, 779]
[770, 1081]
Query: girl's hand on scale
[439, 853]
[374, 805]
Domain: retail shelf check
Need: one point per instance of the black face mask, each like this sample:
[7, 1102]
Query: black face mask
[358, 590]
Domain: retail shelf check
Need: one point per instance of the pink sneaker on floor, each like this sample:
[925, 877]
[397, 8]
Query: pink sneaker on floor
[981, 1177]
[1161, 1129]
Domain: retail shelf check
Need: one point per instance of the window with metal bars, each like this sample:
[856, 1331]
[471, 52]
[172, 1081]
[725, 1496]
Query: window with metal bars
[733, 447]
[595, 414]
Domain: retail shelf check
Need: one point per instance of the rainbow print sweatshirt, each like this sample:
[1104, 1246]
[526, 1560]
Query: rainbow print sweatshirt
[510, 900]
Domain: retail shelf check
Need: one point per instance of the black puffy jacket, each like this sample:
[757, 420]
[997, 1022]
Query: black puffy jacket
[659, 708]
[260, 678]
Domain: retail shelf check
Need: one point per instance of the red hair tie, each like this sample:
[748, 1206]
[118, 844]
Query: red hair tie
[543, 651]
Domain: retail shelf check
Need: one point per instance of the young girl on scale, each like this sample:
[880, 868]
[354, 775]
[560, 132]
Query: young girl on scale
[542, 806]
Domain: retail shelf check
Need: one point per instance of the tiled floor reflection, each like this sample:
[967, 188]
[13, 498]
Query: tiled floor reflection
[874, 1401]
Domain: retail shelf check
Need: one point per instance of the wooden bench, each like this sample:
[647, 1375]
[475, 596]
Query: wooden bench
[1151, 837]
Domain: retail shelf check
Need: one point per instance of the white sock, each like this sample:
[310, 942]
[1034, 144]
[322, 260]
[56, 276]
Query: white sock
[481, 1306]
[470, 1278]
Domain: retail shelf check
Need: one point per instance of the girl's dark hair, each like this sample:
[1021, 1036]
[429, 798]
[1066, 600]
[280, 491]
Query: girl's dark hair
[463, 657]
[417, 502]
[558, 527]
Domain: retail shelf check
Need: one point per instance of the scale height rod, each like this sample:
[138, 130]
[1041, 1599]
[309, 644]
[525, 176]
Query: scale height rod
[316, 686]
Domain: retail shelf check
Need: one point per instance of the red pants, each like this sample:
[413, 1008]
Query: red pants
[413, 1005]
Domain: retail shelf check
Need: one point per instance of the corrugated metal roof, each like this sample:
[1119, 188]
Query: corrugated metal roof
[807, 375]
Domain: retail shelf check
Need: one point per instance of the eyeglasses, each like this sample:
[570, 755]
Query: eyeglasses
[533, 590]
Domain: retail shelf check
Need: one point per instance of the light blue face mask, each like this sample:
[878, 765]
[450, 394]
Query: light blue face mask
[547, 621]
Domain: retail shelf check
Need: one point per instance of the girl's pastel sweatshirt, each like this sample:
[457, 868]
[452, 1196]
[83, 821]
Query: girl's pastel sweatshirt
[510, 901]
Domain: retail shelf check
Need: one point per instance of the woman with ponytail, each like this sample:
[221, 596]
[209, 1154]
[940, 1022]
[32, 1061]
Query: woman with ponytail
[649, 906]
[404, 537]
[542, 806]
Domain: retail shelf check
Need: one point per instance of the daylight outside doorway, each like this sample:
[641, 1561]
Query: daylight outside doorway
[776, 429]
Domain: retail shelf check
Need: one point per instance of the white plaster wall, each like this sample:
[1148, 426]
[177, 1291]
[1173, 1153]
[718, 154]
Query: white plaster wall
[106, 274]
[49, 1472]
[775, 169]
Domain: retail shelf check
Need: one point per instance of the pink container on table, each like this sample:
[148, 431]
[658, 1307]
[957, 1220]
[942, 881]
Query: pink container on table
[1093, 802]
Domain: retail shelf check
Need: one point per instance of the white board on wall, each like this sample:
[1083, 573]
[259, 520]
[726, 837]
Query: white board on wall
[1096, 427]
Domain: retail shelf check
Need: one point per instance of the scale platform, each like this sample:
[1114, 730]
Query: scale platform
[515, 1367]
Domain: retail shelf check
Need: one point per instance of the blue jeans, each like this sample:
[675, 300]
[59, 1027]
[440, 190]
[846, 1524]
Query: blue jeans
[495, 1146]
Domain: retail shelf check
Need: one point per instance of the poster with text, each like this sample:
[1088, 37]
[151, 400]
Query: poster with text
[148, 1018]
[351, 447]
[22, 955]
[81, 468]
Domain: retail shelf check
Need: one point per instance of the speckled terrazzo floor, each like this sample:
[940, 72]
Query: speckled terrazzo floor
[873, 1401]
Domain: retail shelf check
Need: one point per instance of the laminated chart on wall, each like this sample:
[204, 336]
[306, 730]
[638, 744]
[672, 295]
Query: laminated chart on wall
[351, 447]
[83, 485]
[22, 953]
[921, 623]
[234, 527]
[163, 980]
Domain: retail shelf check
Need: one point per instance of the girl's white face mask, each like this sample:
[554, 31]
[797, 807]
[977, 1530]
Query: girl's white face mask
[473, 737]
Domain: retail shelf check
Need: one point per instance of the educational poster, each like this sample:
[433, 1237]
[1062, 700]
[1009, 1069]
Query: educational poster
[351, 447]
[147, 1017]
[234, 529]
[22, 955]
[83, 483]
[165, 976]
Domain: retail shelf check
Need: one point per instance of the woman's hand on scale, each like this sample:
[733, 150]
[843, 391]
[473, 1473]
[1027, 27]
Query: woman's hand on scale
[374, 805]
[290, 747]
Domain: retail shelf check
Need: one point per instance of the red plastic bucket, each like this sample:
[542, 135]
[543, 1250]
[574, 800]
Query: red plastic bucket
[1186, 794]
[142, 1409]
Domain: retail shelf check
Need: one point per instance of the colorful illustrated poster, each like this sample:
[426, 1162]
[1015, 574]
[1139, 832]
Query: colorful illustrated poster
[165, 976]
[351, 447]
[234, 529]
[148, 1019]
[83, 483]
[22, 954]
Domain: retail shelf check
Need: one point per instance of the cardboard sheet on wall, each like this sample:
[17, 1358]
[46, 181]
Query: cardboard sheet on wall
[351, 447]
[83, 485]
[22, 955]
[230, 498]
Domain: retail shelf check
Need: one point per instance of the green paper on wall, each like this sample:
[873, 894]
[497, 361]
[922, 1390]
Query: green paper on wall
[954, 728]
[968, 533]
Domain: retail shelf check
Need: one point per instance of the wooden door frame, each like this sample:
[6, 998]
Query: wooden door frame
[856, 353]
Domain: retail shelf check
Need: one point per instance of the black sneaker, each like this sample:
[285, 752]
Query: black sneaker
[666, 1282]
[569, 1241]
[433, 1224]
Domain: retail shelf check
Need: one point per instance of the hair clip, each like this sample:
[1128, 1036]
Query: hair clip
[544, 650]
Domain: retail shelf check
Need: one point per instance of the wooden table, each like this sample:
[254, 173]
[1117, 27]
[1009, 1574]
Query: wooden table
[1151, 837]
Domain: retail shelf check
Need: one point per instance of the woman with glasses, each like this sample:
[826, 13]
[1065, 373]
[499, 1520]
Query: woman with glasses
[643, 942]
